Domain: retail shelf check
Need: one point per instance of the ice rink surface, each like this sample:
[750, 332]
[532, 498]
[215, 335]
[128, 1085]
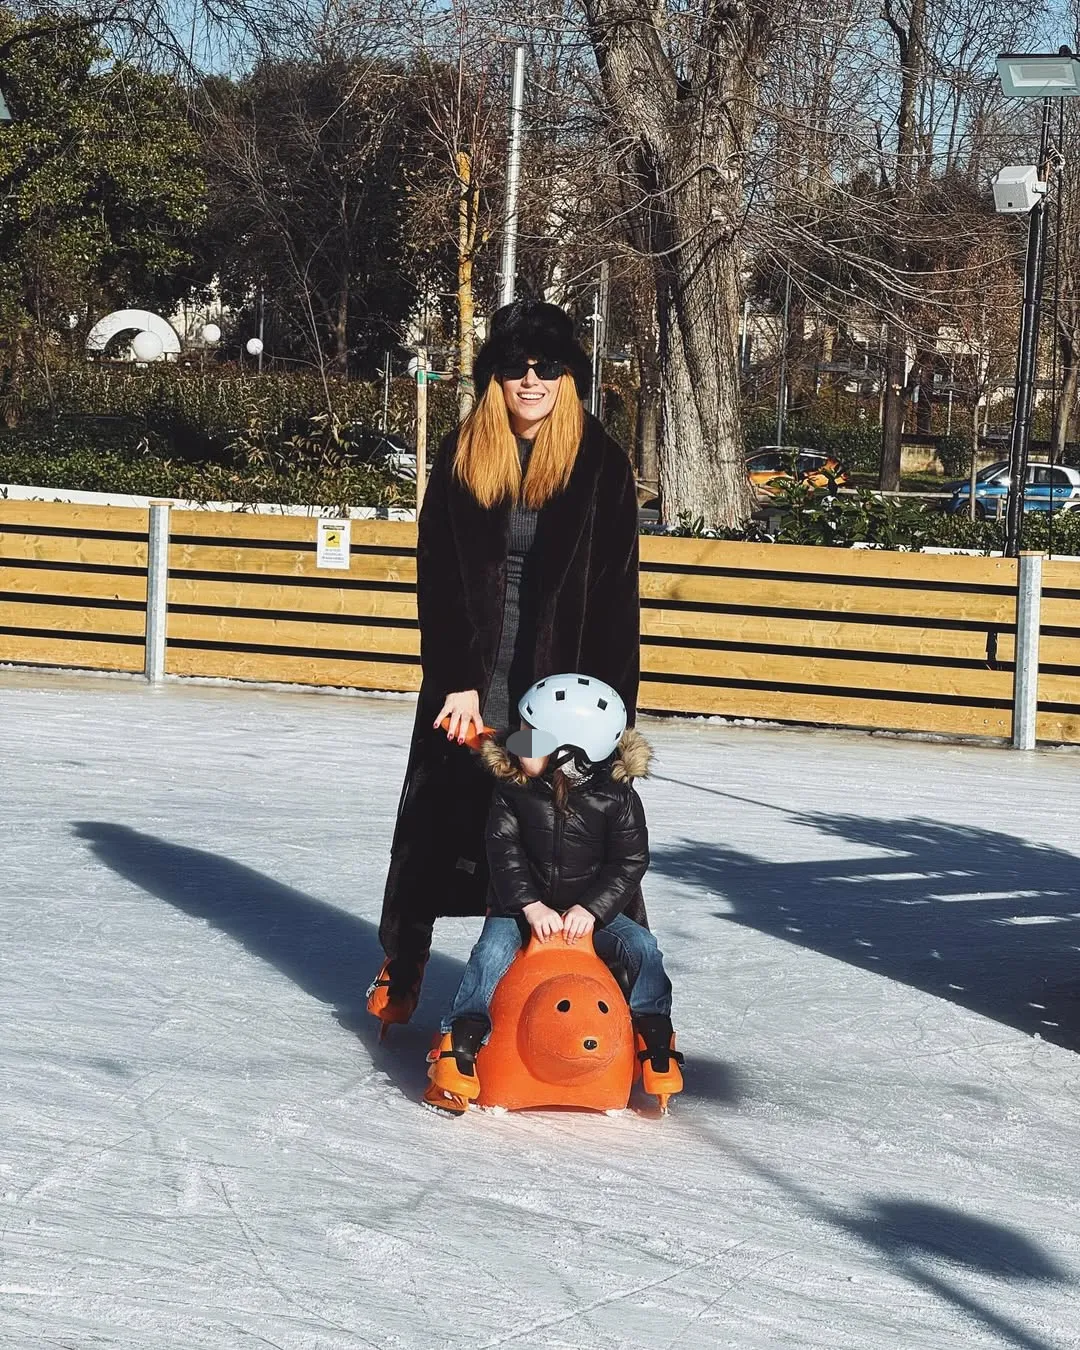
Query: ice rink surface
[875, 945]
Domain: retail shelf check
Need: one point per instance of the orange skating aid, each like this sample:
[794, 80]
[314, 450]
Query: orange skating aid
[473, 740]
[561, 1032]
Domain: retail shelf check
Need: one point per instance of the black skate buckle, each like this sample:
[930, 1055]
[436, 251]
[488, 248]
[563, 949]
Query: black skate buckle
[657, 1055]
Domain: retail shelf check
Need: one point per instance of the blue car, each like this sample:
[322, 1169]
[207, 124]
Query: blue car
[1046, 485]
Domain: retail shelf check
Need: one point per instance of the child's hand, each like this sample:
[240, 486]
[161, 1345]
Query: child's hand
[543, 920]
[577, 923]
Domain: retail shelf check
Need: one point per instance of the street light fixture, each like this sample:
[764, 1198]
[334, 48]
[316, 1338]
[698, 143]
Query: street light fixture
[1049, 76]
[1039, 74]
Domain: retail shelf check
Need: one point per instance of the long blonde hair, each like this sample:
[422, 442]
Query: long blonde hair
[487, 460]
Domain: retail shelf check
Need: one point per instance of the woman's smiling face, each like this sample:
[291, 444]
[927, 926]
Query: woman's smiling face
[530, 400]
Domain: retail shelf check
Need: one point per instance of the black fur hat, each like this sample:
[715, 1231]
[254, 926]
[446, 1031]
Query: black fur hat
[531, 329]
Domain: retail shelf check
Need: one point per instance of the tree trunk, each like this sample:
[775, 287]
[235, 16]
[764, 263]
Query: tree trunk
[468, 216]
[339, 352]
[896, 397]
[702, 460]
[1067, 404]
[910, 40]
[800, 388]
[647, 427]
[679, 126]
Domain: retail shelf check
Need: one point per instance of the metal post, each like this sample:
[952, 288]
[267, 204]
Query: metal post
[1026, 355]
[744, 343]
[385, 396]
[421, 426]
[1026, 677]
[157, 583]
[262, 309]
[599, 322]
[513, 178]
[781, 393]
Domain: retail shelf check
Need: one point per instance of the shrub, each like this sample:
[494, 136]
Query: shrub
[955, 455]
[857, 448]
[132, 463]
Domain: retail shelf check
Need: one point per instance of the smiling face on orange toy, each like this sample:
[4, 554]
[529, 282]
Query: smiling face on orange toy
[567, 1033]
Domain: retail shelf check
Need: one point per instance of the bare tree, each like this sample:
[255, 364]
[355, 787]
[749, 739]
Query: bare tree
[680, 89]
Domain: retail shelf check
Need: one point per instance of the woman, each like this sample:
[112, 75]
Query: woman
[527, 564]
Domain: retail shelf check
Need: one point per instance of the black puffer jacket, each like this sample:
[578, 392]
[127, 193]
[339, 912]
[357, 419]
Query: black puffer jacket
[594, 856]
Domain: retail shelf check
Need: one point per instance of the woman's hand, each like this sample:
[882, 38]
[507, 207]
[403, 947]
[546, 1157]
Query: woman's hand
[543, 920]
[577, 923]
[463, 709]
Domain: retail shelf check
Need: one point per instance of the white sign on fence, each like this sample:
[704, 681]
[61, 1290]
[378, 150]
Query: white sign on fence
[332, 544]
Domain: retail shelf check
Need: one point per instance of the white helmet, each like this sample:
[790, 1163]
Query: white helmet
[577, 711]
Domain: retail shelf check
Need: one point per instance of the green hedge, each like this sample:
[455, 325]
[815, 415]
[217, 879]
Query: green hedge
[127, 460]
[805, 515]
[197, 415]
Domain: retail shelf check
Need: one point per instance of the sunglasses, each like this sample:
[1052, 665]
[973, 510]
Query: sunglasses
[517, 370]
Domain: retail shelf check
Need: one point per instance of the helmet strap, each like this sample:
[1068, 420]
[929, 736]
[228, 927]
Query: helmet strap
[561, 757]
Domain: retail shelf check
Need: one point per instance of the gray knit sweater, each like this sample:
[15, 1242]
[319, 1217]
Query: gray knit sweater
[513, 666]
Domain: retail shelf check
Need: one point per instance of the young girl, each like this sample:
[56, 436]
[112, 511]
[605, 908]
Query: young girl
[567, 846]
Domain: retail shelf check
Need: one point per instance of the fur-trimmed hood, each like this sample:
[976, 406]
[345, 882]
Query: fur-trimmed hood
[633, 756]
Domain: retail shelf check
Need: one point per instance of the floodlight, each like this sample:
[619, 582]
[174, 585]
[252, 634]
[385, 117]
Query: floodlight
[1039, 74]
[1017, 189]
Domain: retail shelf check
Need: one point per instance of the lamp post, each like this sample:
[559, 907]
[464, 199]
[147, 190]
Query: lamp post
[1020, 189]
[513, 176]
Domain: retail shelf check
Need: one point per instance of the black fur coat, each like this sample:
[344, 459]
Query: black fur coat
[581, 596]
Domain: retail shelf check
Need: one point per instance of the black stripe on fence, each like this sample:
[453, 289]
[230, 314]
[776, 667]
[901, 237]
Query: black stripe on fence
[71, 601]
[67, 635]
[293, 545]
[833, 615]
[826, 690]
[342, 582]
[272, 649]
[75, 532]
[92, 569]
[830, 653]
[297, 616]
[1060, 593]
[830, 578]
[200, 540]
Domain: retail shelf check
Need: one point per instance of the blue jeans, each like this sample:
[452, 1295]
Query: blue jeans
[620, 939]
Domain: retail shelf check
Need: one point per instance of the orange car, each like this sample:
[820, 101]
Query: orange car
[770, 462]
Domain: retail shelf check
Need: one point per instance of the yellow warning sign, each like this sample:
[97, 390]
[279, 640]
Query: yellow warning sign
[332, 544]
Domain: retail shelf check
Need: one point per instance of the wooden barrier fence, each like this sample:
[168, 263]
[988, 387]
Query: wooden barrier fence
[836, 637]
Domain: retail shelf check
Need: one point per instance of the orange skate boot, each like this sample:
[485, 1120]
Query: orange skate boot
[654, 1038]
[452, 1067]
[392, 1005]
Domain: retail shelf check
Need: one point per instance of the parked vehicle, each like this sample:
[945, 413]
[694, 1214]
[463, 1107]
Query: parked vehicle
[772, 462]
[1045, 485]
[381, 450]
[769, 463]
